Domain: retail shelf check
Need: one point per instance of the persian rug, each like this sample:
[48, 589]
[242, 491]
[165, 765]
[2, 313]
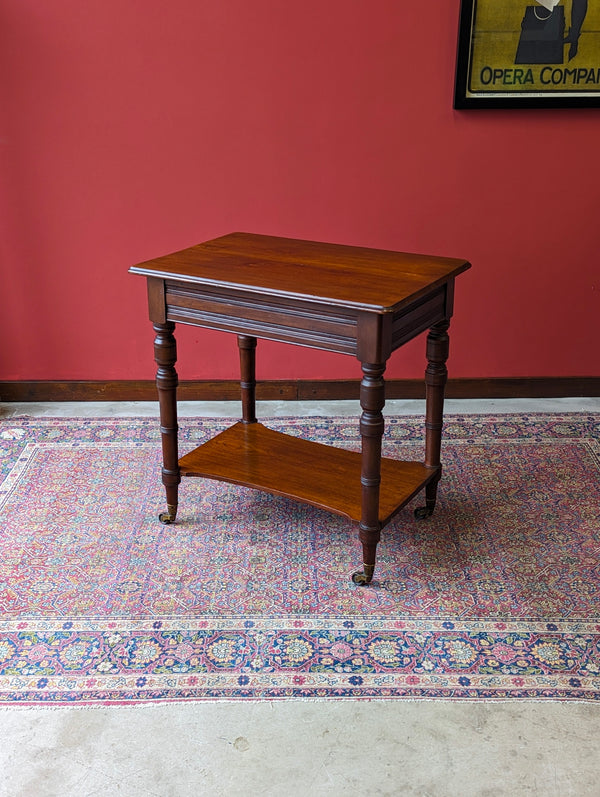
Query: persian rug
[249, 596]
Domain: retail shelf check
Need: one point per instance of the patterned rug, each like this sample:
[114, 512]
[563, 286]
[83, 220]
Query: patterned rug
[248, 596]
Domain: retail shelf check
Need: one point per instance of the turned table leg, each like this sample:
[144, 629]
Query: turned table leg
[436, 376]
[372, 401]
[247, 347]
[165, 355]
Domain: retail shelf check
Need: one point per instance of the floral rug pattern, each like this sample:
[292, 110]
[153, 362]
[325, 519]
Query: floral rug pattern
[248, 595]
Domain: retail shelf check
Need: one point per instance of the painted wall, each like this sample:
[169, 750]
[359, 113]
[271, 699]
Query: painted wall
[131, 128]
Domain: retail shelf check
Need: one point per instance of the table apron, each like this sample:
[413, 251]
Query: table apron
[421, 316]
[316, 325]
[281, 319]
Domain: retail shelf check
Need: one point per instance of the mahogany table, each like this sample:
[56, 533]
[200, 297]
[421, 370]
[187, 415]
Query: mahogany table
[357, 301]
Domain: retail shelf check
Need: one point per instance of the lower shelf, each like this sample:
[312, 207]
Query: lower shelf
[254, 456]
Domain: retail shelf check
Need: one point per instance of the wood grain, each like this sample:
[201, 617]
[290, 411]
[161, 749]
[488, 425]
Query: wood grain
[347, 276]
[316, 474]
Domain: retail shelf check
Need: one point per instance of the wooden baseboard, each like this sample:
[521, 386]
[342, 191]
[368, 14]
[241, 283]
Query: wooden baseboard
[289, 390]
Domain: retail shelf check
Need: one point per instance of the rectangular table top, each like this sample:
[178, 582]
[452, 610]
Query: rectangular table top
[345, 276]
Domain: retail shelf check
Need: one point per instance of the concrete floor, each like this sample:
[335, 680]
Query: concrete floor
[421, 748]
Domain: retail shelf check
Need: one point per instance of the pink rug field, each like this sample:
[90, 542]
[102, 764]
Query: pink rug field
[248, 596]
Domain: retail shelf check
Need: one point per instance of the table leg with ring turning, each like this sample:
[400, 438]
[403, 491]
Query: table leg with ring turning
[247, 348]
[165, 355]
[372, 401]
[436, 376]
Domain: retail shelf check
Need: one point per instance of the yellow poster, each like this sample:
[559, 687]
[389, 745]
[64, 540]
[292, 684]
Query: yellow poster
[530, 48]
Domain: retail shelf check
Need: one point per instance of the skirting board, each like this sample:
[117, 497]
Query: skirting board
[297, 390]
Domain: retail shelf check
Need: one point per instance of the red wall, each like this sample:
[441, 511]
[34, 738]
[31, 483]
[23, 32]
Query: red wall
[131, 128]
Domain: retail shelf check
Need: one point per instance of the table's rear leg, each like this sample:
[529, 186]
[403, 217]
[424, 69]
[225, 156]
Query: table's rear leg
[372, 401]
[247, 347]
[436, 376]
[165, 355]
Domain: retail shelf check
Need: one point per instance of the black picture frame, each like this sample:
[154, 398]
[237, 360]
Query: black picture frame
[498, 39]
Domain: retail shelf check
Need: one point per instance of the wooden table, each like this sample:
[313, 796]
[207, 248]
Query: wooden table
[357, 301]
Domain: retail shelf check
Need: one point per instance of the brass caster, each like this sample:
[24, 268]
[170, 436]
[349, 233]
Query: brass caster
[423, 512]
[168, 516]
[363, 577]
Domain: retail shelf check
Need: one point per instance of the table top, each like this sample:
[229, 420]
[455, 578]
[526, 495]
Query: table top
[346, 276]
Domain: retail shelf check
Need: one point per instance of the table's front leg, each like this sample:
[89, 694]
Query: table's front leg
[372, 401]
[165, 354]
[436, 376]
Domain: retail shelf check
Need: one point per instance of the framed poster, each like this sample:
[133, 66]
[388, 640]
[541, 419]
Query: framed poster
[528, 54]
